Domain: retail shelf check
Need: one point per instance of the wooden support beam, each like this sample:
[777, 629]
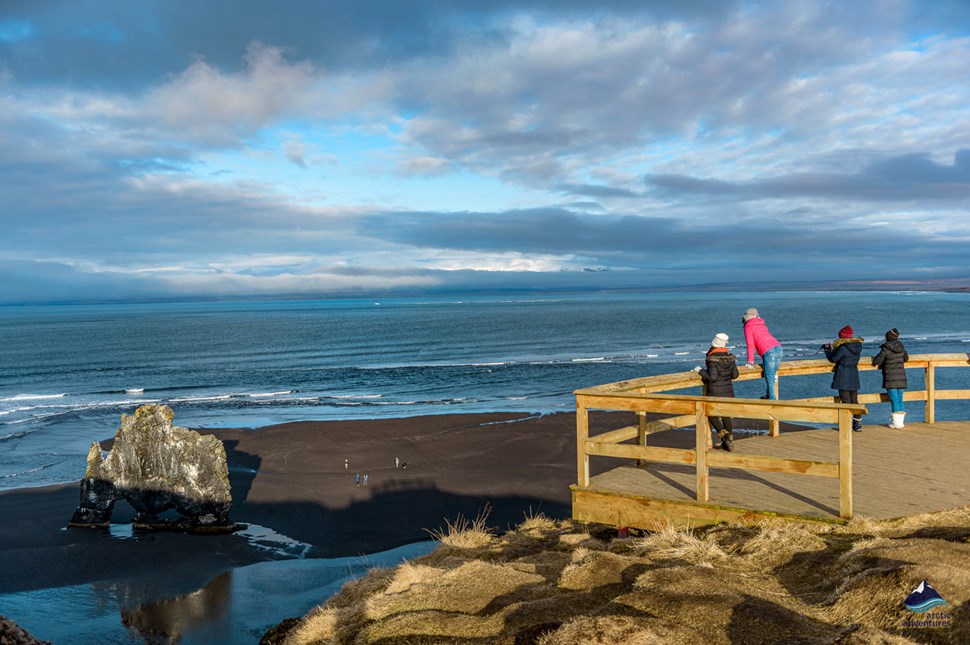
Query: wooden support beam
[702, 434]
[641, 432]
[582, 435]
[951, 394]
[930, 394]
[641, 453]
[640, 403]
[616, 509]
[773, 464]
[845, 464]
[617, 436]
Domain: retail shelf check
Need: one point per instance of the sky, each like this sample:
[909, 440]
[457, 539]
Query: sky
[236, 148]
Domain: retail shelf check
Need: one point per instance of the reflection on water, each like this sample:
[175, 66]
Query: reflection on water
[166, 621]
[237, 606]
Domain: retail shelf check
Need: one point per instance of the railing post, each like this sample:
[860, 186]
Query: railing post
[641, 432]
[582, 435]
[845, 464]
[701, 439]
[930, 393]
[774, 427]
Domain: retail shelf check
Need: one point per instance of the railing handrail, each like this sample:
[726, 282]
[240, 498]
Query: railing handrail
[681, 380]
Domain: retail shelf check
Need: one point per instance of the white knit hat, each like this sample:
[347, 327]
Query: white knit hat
[749, 314]
[720, 340]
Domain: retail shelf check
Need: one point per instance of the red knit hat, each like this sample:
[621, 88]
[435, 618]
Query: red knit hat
[846, 332]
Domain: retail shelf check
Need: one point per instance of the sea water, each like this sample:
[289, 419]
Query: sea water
[68, 372]
[236, 607]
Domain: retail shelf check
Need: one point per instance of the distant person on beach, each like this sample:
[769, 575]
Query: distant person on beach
[845, 353]
[891, 359]
[365, 480]
[346, 464]
[718, 373]
[397, 462]
[758, 339]
[357, 479]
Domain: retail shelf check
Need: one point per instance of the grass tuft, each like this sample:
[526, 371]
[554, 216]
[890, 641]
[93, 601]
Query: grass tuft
[466, 534]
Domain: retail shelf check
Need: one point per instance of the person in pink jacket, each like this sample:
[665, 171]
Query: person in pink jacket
[759, 339]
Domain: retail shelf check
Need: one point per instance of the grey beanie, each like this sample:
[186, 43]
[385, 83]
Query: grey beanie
[720, 340]
[749, 314]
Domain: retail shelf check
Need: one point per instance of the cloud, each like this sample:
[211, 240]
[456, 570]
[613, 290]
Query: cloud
[910, 177]
[294, 152]
[216, 107]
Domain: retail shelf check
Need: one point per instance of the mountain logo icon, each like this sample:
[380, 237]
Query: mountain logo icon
[923, 598]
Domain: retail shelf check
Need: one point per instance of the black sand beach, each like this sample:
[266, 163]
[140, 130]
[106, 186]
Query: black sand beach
[291, 478]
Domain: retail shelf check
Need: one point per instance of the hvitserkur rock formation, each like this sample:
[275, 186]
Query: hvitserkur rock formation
[156, 466]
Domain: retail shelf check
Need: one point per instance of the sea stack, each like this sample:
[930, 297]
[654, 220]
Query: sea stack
[156, 466]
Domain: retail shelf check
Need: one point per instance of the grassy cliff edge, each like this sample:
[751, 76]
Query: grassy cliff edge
[555, 582]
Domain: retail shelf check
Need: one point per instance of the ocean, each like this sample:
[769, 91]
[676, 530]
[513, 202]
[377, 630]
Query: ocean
[68, 372]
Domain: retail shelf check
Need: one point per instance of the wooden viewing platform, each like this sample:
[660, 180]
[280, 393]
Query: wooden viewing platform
[809, 466]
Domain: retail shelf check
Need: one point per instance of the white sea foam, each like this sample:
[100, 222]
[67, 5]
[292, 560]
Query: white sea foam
[596, 359]
[269, 394]
[21, 409]
[135, 390]
[25, 472]
[28, 397]
[355, 396]
[201, 399]
[681, 353]
[278, 544]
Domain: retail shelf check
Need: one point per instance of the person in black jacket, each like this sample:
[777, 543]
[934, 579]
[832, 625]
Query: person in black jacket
[892, 359]
[719, 370]
[845, 353]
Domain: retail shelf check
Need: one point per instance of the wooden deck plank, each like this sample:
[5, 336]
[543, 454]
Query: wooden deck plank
[919, 469]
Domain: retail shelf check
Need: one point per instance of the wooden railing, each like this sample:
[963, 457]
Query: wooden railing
[646, 396]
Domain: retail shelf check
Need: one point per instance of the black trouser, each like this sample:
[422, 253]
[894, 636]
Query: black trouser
[722, 423]
[851, 396]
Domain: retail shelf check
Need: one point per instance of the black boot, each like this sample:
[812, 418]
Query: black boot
[856, 423]
[727, 442]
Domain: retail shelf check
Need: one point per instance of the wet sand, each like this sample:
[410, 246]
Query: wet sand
[291, 478]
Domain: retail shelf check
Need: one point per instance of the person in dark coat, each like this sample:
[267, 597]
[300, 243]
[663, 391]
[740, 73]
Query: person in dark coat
[892, 359]
[845, 353]
[718, 373]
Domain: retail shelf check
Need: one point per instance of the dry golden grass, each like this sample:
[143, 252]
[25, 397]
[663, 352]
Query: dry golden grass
[455, 627]
[772, 583]
[538, 523]
[670, 543]
[609, 630]
[466, 534]
[592, 569]
[776, 542]
[467, 589]
[317, 628]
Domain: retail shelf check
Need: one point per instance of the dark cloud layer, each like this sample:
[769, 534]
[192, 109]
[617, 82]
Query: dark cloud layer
[901, 178]
[107, 43]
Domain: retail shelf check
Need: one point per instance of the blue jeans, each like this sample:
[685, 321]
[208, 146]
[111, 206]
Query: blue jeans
[772, 359]
[896, 399]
